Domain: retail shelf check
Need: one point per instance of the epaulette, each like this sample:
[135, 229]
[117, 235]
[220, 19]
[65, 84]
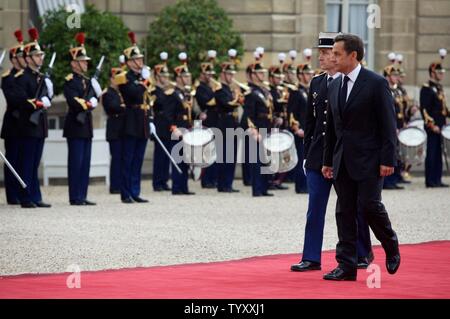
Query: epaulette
[320, 74]
[121, 78]
[19, 74]
[169, 91]
[426, 85]
[6, 74]
[69, 77]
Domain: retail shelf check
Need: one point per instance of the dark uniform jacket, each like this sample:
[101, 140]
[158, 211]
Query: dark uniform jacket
[164, 109]
[137, 107]
[115, 109]
[25, 91]
[258, 107]
[10, 126]
[279, 106]
[181, 115]
[433, 104]
[316, 120]
[297, 105]
[78, 122]
[206, 101]
[226, 107]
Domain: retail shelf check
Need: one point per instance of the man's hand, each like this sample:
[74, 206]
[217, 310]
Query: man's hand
[255, 134]
[386, 171]
[300, 133]
[177, 133]
[436, 129]
[327, 172]
[203, 116]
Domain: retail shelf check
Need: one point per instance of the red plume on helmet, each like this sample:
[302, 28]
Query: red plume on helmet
[19, 36]
[34, 34]
[81, 38]
[132, 37]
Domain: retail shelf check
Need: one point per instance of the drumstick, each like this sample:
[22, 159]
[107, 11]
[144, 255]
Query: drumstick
[22, 183]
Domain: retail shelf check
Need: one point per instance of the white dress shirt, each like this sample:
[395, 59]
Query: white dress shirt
[353, 76]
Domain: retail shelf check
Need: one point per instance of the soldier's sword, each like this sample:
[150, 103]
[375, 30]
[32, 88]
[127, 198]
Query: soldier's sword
[167, 153]
[11, 168]
[2, 57]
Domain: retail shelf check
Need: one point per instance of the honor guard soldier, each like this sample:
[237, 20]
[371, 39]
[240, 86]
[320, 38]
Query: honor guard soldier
[246, 165]
[114, 107]
[181, 118]
[34, 93]
[260, 115]
[208, 107]
[297, 105]
[280, 96]
[228, 101]
[164, 104]
[10, 129]
[135, 89]
[434, 110]
[392, 74]
[82, 96]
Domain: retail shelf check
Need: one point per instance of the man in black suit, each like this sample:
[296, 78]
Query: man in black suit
[359, 152]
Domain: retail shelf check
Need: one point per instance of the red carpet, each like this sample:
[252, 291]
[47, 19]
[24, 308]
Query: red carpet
[424, 273]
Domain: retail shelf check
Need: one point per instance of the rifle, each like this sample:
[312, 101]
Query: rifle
[81, 117]
[35, 117]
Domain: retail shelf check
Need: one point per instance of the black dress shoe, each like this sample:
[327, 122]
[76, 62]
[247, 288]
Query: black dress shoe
[127, 201]
[114, 192]
[89, 203]
[14, 202]
[442, 185]
[339, 274]
[281, 187]
[182, 193]
[209, 186]
[398, 187]
[140, 200]
[306, 266]
[43, 205]
[263, 195]
[392, 264]
[302, 192]
[229, 190]
[28, 205]
[77, 203]
[389, 187]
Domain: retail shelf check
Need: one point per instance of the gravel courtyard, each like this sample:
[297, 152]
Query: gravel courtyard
[177, 230]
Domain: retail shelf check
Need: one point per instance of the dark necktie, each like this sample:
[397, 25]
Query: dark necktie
[343, 94]
[329, 81]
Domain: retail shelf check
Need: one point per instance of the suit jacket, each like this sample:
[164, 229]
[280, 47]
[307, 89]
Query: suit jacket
[115, 109]
[315, 124]
[364, 135]
[226, 108]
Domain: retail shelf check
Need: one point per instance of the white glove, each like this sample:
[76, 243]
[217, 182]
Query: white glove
[152, 128]
[94, 102]
[145, 73]
[96, 86]
[49, 85]
[304, 166]
[46, 101]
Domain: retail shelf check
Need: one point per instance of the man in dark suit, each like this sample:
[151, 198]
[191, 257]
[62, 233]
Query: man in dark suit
[360, 150]
[319, 187]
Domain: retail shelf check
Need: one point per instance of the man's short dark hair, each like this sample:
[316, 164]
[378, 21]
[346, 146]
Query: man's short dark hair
[352, 43]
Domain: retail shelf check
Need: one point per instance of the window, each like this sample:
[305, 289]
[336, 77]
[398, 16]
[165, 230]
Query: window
[44, 6]
[350, 16]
